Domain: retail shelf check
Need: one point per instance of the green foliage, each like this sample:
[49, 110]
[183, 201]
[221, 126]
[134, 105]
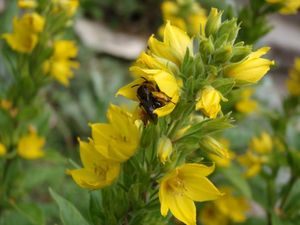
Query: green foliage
[234, 176]
[126, 13]
[31, 212]
[68, 213]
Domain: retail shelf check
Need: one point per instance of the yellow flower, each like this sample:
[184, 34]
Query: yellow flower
[252, 68]
[210, 215]
[163, 91]
[182, 186]
[31, 146]
[3, 149]
[5, 104]
[208, 101]
[223, 161]
[25, 33]
[231, 206]
[169, 9]
[164, 149]
[97, 171]
[293, 82]
[188, 16]
[262, 144]
[252, 162]
[61, 63]
[246, 104]
[117, 140]
[27, 4]
[257, 155]
[225, 210]
[288, 6]
[69, 6]
[174, 46]
[170, 12]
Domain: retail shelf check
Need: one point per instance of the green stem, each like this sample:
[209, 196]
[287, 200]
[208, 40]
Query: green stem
[270, 189]
[288, 191]
[5, 185]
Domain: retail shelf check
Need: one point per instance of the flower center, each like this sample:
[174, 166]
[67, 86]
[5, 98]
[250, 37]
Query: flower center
[101, 171]
[176, 186]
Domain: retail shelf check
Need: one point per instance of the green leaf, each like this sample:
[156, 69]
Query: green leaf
[12, 217]
[206, 127]
[224, 85]
[292, 204]
[95, 207]
[276, 220]
[233, 175]
[69, 215]
[31, 212]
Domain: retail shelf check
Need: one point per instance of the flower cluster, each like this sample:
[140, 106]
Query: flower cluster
[246, 104]
[186, 15]
[225, 210]
[257, 154]
[286, 6]
[179, 86]
[33, 51]
[61, 63]
[33, 29]
[111, 144]
[67, 7]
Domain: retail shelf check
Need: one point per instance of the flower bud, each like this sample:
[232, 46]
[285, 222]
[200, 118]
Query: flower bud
[3, 149]
[206, 47]
[252, 68]
[208, 101]
[164, 149]
[214, 146]
[213, 22]
[223, 54]
[230, 28]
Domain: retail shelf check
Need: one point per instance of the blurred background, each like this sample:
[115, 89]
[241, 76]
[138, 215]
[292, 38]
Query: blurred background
[110, 35]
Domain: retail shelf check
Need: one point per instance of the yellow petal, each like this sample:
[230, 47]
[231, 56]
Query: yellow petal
[182, 208]
[168, 108]
[166, 83]
[251, 69]
[88, 154]
[202, 170]
[163, 50]
[200, 188]
[129, 91]
[3, 149]
[87, 178]
[163, 192]
[177, 39]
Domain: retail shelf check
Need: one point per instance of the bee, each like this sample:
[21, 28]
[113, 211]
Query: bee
[151, 98]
